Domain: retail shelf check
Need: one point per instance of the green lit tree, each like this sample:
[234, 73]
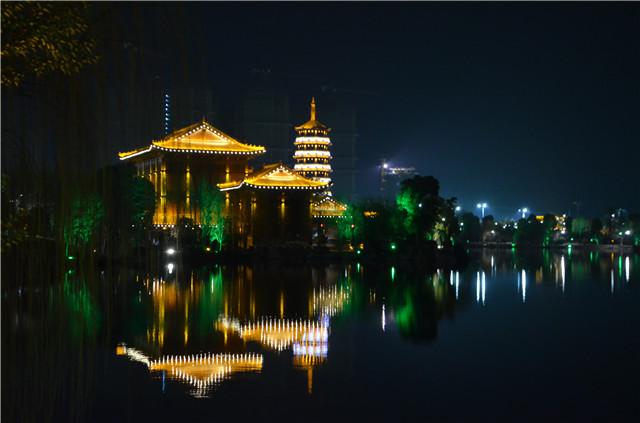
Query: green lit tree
[580, 228]
[419, 203]
[82, 221]
[212, 215]
[424, 214]
[350, 225]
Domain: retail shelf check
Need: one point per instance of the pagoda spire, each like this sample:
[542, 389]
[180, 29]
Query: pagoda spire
[313, 108]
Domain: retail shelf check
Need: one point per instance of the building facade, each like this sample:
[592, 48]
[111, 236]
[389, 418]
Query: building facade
[263, 208]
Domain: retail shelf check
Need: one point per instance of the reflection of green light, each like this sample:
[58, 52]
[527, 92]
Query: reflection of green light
[393, 273]
[405, 314]
[358, 267]
[393, 246]
[620, 266]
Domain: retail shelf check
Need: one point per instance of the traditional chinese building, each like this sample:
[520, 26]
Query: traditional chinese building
[180, 162]
[268, 207]
[271, 207]
[312, 153]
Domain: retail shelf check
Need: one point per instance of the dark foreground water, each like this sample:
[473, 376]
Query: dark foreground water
[510, 337]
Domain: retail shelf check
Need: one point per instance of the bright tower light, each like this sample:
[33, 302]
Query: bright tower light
[482, 206]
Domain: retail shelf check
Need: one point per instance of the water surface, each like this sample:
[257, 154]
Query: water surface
[512, 336]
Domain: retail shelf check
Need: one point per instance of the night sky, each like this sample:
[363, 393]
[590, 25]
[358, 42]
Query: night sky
[516, 104]
[519, 104]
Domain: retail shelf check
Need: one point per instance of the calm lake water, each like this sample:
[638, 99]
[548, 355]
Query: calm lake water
[518, 337]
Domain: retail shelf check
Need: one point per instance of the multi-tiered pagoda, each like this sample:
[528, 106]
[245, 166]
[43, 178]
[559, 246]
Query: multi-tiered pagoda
[312, 153]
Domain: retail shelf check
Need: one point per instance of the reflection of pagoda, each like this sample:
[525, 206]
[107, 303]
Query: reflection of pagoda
[201, 371]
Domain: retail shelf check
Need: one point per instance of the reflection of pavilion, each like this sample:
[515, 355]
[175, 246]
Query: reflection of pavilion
[201, 371]
[278, 334]
[309, 340]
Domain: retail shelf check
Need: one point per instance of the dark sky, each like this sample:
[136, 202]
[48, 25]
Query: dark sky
[515, 104]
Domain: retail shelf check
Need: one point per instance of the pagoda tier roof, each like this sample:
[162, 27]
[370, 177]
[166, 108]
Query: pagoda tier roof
[313, 123]
[328, 207]
[275, 176]
[199, 138]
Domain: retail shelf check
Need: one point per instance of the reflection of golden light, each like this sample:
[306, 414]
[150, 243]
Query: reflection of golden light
[202, 371]
[281, 304]
[307, 356]
[278, 334]
[329, 301]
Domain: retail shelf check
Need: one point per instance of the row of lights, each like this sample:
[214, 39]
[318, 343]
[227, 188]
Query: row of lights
[231, 152]
[312, 153]
[205, 126]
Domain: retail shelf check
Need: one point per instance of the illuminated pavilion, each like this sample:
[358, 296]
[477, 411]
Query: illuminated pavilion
[177, 164]
[271, 207]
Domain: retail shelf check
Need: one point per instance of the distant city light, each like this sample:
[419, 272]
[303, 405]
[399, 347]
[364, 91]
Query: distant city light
[171, 251]
[384, 165]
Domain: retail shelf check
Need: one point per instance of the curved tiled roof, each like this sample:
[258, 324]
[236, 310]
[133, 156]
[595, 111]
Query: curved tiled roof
[201, 138]
[275, 176]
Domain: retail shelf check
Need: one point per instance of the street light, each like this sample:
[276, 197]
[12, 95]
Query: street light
[627, 232]
[482, 206]
[458, 208]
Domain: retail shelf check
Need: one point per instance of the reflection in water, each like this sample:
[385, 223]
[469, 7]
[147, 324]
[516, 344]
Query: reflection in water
[187, 325]
[278, 334]
[201, 371]
[231, 309]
